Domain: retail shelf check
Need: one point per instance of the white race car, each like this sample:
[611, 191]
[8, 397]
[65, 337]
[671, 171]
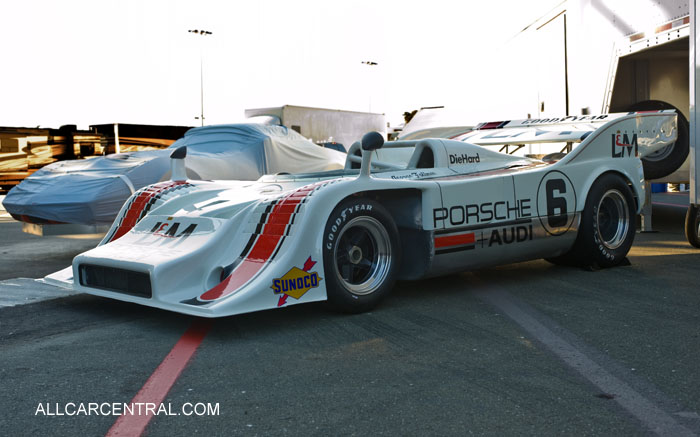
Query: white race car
[401, 210]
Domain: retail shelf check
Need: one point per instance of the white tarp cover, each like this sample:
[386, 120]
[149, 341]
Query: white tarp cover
[435, 123]
[91, 191]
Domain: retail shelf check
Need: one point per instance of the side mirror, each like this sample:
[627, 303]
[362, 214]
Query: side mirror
[372, 141]
[179, 153]
[177, 164]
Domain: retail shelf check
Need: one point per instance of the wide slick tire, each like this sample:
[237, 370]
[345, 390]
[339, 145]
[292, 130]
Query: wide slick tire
[692, 225]
[361, 255]
[608, 225]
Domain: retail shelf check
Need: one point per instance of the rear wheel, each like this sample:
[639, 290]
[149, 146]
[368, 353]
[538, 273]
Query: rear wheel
[608, 225]
[692, 225]
[361, 255]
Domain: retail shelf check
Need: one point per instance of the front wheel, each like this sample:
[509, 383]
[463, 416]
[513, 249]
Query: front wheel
[361, 253]
[692, 225]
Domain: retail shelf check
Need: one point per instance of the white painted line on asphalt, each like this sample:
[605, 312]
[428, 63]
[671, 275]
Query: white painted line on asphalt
[653, 417]
[22, 291]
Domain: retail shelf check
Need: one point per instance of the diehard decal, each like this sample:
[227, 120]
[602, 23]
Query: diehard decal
[296, 282]
[464, 159]
[556, 203]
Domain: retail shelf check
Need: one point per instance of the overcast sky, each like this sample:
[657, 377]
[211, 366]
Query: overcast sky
[91, 62]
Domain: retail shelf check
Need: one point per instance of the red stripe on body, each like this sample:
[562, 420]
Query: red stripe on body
[160, 382]
[454, 240]
[139, 204]
[264, 246]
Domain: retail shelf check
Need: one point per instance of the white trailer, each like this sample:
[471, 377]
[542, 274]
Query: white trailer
[322, 125]
[600, 56]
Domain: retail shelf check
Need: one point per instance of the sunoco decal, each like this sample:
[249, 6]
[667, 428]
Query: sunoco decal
[296, 282]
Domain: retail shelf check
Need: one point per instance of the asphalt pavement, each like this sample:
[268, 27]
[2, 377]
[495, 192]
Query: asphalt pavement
[522, 349]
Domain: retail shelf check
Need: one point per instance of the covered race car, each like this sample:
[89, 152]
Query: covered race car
[91, 191]
[403, 210]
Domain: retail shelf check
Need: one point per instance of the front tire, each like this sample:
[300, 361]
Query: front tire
[361, 255]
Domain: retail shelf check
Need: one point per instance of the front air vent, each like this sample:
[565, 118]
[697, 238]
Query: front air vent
[114, 279]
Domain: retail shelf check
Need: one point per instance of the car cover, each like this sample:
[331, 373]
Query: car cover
[91, 191]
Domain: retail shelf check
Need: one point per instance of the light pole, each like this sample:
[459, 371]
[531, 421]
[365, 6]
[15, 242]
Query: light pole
[370, 63]
[201, 70]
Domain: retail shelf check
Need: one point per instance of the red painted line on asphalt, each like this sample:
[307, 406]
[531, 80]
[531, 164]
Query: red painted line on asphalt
[161, 381]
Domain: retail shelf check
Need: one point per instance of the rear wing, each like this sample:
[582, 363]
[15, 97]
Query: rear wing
[571, 129]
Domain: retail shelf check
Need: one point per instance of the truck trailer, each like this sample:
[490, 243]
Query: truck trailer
[597, 56]
[322, 126]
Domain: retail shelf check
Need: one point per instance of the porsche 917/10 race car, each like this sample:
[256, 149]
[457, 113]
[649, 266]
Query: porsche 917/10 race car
[401, 210]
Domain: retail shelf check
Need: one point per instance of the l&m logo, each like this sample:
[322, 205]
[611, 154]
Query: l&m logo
[621, 143]
[169, 229]
[296, 282]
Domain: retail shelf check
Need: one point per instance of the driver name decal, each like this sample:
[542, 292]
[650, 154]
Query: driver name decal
[296, 282]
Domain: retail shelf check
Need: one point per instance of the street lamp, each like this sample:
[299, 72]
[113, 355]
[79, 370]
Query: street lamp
[201, 70]
[370, 63]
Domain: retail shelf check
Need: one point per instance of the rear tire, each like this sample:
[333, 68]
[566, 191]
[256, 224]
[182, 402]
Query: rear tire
[608, 225]
[361, 255]
[692, 225]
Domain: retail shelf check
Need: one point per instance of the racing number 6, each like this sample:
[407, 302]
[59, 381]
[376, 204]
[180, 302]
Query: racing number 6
[556, 204]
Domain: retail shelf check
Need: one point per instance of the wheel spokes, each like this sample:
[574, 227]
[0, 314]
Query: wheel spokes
[362, 255]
